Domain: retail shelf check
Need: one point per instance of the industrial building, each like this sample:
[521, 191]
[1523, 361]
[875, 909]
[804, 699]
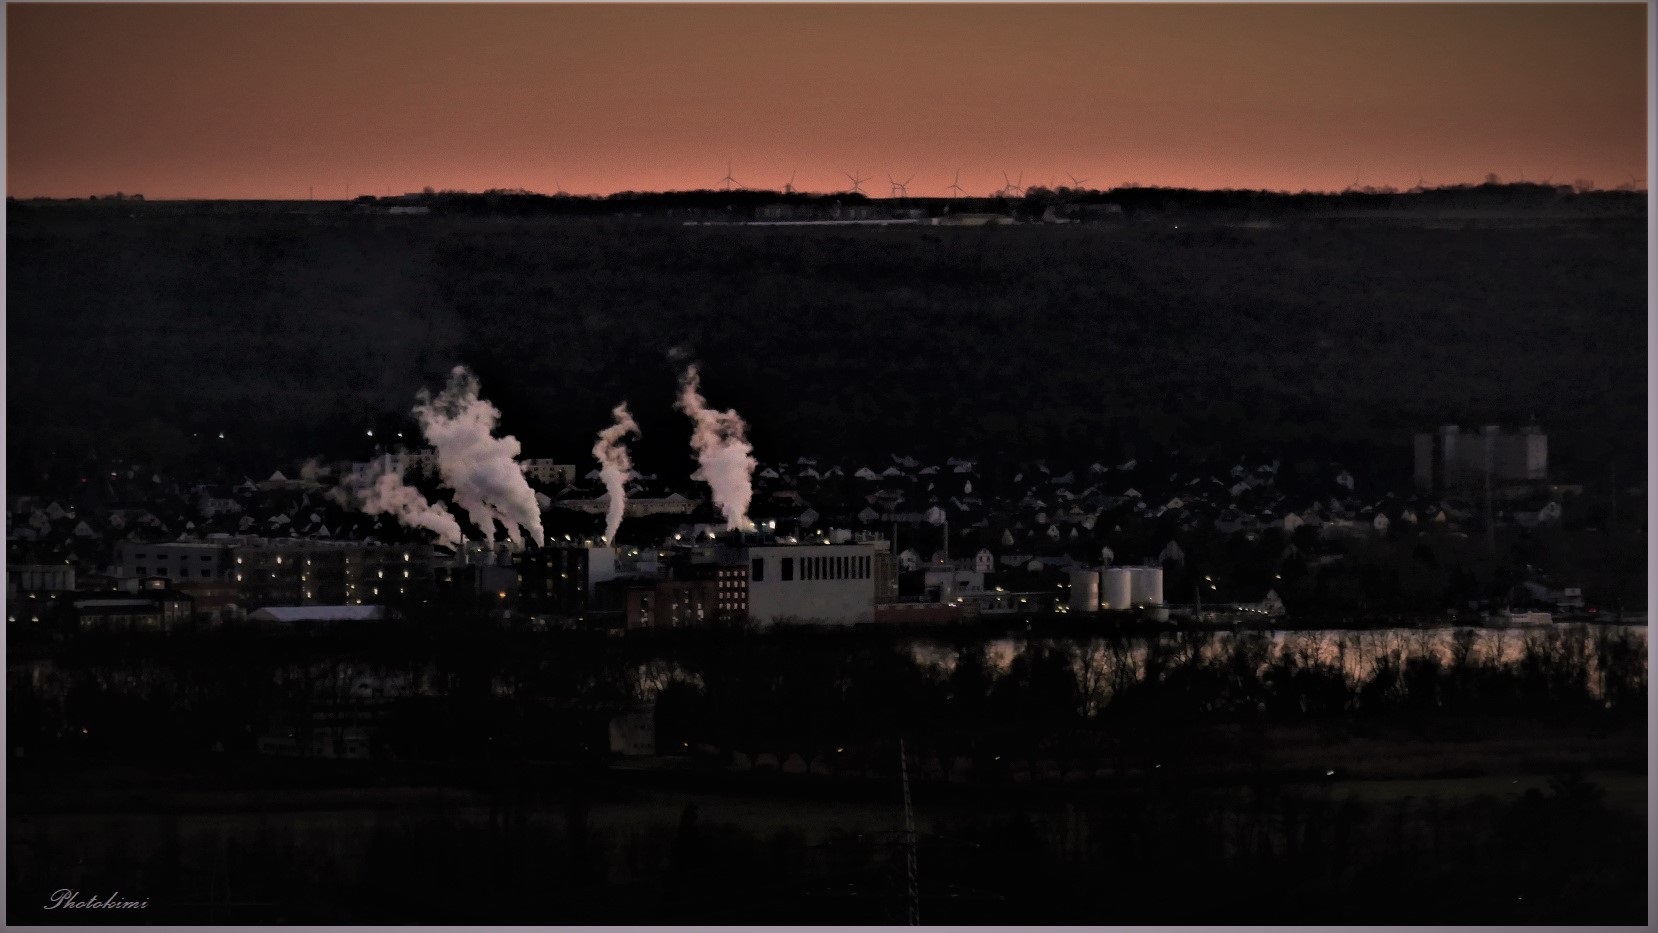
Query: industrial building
[178, 561]
[154, 608]
[563, 578]
[765, 578]
[547, 471]
[39, 578]
[1116, 589]
[670, 604]
[831, 583]
[765, 582]
[302, 572]
[943, 583]
[283, 571]
[1453, 459]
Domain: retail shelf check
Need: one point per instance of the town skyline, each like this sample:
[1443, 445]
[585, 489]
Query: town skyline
[267, 101]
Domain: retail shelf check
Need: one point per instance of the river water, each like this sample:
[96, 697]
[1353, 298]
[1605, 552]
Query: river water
[1357, 653]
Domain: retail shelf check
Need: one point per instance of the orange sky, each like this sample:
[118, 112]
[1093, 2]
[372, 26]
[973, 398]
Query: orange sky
[194, 100]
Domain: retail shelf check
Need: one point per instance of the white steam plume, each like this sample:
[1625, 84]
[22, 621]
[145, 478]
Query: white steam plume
[723, 451]
[376, 488]
[482, 469]
[615, 467]
[314, 471]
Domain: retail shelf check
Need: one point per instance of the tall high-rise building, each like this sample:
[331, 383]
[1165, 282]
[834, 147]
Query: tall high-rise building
[1455, 460]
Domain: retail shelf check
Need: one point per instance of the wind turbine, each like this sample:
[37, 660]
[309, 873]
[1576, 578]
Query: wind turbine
[728, 181]
[1075, 181]
[956, 185]
[900, 189]
[788, 186]
[857, 183]
[558, 189]
[1012, 188]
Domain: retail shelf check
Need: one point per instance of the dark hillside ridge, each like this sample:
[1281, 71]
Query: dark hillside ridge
[294, 326]
[1491, 199]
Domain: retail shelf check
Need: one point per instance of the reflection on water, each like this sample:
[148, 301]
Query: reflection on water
[1356, 653]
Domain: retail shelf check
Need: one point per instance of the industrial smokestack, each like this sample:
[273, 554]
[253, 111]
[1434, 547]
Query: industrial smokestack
[376, 488]
[615, 467]
[723, 450]
[482, 469]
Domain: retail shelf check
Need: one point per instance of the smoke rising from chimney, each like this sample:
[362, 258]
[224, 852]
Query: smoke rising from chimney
[481, 469]
[615, 467]
[722, 449]
[314, 471]
[376, 488]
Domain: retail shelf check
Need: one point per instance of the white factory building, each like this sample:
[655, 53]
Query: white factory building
[831, 583]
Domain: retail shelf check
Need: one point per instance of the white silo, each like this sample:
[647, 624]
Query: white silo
[1118, 587]
[1085, 591]
[1147, 587]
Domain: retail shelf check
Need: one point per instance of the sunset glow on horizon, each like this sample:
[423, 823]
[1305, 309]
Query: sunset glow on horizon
[290, 101]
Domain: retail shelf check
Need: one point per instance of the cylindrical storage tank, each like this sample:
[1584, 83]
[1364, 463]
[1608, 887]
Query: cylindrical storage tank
[1147, 588]
[1085, 591]
[1118, 588]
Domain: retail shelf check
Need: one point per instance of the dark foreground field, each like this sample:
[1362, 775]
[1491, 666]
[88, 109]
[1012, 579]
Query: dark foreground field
[1516, 838]
[1369, 777]
[143, 333]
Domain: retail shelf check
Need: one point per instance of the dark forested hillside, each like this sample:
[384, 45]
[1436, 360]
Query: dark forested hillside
[144, 333]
